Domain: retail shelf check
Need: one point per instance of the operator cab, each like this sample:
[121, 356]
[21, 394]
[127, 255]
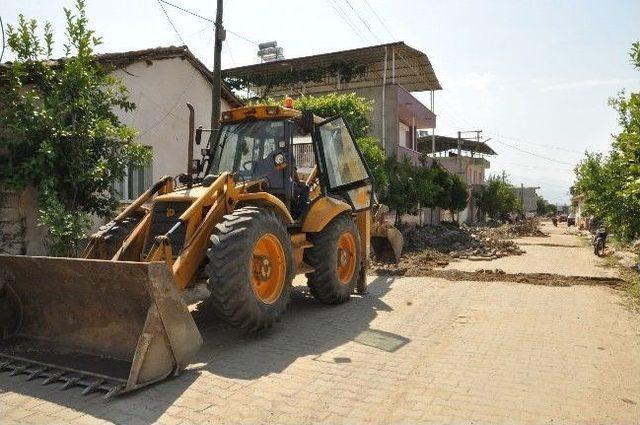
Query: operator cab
[278, 150]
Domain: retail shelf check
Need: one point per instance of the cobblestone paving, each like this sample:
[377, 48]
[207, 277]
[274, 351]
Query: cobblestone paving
[414, 350]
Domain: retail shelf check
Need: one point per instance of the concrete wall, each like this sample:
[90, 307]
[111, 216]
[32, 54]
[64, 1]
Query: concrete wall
[19, 230]
[391, 127]
[160, 90]
[528, 196]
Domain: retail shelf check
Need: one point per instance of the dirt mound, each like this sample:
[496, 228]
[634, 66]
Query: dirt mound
[458, 242]
[497, 275]
[413, 264]
[429, 247]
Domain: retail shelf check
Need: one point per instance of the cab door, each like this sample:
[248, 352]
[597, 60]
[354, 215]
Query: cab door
[344, 172]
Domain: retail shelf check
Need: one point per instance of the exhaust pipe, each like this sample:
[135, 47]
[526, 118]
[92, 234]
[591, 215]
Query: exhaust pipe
[190, 147]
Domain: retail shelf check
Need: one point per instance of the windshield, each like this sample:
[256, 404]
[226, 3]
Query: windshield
[343, 163]
[244, 147]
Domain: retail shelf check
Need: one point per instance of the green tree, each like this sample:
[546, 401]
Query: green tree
[544, 207]
[356, 111]
[611, 182]
[399, 195]
[458, 195]
[496, 197]
[61, 134]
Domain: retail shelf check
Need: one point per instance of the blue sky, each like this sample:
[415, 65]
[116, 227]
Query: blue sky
[534, 75]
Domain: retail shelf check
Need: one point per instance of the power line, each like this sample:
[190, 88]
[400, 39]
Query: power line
[532, 153]
[362, 20]
[455, 115]
[343, 16]
[170, 21]
[534, 144]
[379, 19]
[192, 13]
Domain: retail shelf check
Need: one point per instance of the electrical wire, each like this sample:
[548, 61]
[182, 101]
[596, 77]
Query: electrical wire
[192, 13]
[379, 19]
[343, 16]
[362, 20]
[170, 21]
[533, 144]
[532, 153]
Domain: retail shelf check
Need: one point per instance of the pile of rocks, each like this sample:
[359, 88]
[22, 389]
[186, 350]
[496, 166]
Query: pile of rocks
[526, 228]
[428, 248]
[458, 242]
[490, 249]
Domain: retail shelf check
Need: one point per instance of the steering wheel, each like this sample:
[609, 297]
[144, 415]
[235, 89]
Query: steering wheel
[248, 165]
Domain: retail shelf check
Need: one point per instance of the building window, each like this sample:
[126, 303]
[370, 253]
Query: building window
[135, 182]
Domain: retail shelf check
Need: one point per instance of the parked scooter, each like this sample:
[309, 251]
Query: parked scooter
[599, 241]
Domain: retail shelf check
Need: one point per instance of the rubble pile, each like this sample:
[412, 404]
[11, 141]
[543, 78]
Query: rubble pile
[526, 228]
[430, 247]
[413, 263]
[459, 242]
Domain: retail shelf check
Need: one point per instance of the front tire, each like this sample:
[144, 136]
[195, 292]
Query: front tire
[250, 268]
[336, 259]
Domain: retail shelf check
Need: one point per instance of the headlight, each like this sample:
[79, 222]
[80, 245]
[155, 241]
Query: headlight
[279, 159]
[226, 116]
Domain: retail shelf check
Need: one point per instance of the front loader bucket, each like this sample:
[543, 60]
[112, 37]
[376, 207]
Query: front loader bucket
[108, 326]
[387, 244]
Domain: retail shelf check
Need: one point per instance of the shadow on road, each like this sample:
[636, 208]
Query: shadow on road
[308, 328]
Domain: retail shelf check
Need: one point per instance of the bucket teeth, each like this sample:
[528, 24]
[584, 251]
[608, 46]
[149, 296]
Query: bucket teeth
[36, 373]
[69, 378]
[92, 386]
[113, 391]
[5, 364]
[70, 383]
[18, 370]
[53, 377]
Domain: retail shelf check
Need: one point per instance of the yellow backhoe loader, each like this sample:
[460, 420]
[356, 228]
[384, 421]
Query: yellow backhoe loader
[282, 193]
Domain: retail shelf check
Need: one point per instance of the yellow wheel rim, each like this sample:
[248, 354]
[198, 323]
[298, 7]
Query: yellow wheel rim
[268, 268]
[346, 257]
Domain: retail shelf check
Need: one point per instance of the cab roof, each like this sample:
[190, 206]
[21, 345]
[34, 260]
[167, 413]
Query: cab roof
[262, 112]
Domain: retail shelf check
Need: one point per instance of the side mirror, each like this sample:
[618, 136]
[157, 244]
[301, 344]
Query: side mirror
[198, 135]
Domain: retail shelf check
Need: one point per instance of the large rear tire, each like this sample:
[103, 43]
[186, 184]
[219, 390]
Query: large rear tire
[250, 268]
[336, 259]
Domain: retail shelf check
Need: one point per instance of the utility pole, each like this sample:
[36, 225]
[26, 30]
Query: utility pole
[459, 163]
[220, 35]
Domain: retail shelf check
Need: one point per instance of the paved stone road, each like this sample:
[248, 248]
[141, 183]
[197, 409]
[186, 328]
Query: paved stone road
[561, 253]
[413, 350]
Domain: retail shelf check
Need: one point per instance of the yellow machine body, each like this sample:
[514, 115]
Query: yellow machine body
[115, 320]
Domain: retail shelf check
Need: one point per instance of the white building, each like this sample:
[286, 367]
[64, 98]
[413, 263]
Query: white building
[160, 82]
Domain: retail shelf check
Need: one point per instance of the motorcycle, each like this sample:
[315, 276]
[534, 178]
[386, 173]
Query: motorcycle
[599, 241]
